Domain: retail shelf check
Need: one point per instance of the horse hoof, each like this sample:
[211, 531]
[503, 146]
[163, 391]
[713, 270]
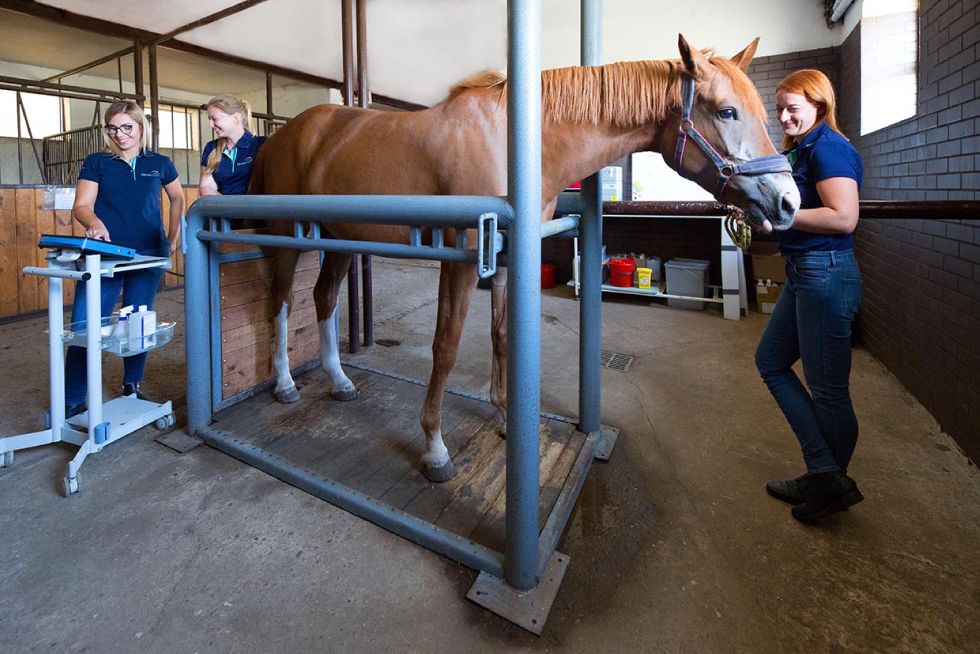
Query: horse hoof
[288, 396]
[439, 474]
[345, 394]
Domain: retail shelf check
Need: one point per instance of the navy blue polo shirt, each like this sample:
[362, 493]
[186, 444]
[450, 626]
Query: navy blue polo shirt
[822, 154]
[128, 200]
[235, 168]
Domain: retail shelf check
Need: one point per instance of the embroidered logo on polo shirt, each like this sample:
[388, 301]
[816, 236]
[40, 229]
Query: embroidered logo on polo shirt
[246, 160]
[152, 173]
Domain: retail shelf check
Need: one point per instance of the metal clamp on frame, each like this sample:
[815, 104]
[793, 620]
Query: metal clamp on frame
[489, 243]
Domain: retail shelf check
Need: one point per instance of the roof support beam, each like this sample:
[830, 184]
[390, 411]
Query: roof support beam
[106, 28]
[200, 22]
[91, 64]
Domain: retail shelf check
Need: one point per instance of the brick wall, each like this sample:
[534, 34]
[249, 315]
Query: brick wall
[921, 312]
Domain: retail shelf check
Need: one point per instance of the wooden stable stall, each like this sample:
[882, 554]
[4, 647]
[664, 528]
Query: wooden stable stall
[28, 211]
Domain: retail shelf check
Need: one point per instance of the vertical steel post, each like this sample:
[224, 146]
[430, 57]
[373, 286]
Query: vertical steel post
[590, 264]
[138, 71]
[364, 100]
[353, 273]
[154, 101]
[196, 317]
[524, 290]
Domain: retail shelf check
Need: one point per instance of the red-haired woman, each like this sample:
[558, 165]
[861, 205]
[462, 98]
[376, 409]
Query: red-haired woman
[814, 314]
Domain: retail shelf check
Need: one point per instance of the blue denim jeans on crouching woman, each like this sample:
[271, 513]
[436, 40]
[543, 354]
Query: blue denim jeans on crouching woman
[812, 321]
[138, 287]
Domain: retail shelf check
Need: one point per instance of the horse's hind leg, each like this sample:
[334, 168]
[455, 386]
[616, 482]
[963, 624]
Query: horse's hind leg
[498, 338]
[325, 294]
[284, 269]
[456, 284]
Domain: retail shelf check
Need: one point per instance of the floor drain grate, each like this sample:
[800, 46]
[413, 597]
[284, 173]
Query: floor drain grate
[621, 362]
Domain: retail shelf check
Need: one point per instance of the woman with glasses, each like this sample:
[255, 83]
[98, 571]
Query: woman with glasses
[118, 200]
[226, 162]
[813, 316]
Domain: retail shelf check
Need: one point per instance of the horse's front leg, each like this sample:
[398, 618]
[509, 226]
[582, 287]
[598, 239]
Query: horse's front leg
[325, 293]
[456, 284]
[498, 338]
[284, 269]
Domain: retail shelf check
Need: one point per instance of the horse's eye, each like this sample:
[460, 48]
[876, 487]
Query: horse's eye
[728, 114]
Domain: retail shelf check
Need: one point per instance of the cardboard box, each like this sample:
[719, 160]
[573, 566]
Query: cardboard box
[767, 263]
[766, 296]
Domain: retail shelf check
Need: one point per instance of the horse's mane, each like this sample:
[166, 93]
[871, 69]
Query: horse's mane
[625, 94]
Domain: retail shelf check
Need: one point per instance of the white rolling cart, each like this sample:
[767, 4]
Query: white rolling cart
[103, 423]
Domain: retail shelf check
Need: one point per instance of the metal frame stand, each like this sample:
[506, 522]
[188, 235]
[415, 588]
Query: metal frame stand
[526, 580]
[102, 424]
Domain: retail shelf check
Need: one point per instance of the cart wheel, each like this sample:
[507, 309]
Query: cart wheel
[8, 459]
[69, 486]
[165, 422]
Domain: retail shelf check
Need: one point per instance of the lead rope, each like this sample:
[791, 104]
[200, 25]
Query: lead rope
[738, 229]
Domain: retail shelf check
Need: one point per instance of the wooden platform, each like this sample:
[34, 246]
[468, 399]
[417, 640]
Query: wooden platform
[373, 444]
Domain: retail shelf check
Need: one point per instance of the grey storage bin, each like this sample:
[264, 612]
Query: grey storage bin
[655, 265]
[687, 277]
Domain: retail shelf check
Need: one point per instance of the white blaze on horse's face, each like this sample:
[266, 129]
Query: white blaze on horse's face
[744, 170]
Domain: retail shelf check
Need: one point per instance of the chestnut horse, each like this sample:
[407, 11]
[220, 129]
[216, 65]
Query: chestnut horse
[591, 116]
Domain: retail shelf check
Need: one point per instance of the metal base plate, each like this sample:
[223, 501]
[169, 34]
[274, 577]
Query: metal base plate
[607, 441]
[528, 609]
[179, 440]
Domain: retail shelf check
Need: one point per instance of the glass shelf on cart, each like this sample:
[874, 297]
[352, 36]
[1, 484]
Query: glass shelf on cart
[120, 346]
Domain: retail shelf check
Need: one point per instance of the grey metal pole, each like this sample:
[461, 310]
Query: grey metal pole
[590, 269]
[138, 71]
[154, 101]
[196, 313]
[364, 100]
[524, 291]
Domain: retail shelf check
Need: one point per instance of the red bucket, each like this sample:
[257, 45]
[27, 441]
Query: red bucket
[549, 275]
[621, 272]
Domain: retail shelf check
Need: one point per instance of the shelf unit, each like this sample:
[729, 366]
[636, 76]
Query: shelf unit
[732, 293]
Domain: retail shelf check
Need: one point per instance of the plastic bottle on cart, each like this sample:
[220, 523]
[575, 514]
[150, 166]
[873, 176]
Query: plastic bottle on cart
[120, 331]
[142, 325]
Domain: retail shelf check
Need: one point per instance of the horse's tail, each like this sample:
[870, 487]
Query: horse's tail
[256, 183]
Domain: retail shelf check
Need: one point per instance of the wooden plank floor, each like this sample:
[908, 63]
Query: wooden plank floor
[373, 444]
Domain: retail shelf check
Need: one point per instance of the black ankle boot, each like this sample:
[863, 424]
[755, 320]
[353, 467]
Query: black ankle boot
[134, 389]
[74, 410]
[826, 493]
[789, 491]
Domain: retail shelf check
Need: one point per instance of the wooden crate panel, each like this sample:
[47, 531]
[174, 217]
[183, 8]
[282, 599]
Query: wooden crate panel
[26, 244]
[246, 321]
[233, 295]
[246, 368]
[9, 272]
[262, 332]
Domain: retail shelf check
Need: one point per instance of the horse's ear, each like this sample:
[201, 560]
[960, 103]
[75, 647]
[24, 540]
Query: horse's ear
[744, 58]
[695, 63]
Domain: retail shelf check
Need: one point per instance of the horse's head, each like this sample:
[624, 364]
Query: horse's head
[720, 139]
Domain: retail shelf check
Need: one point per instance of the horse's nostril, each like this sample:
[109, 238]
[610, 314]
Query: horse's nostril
[789, 203]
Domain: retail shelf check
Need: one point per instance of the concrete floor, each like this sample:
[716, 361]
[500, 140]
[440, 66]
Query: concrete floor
[674, 545]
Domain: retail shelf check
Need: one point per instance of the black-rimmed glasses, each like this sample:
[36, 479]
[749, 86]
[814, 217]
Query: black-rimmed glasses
[126, 128]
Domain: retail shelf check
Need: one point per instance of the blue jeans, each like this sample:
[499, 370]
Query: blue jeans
[138, 287]
[812, 321]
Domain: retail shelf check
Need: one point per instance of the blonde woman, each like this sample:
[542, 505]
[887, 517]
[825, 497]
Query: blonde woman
[118, 200]
[226, 162]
